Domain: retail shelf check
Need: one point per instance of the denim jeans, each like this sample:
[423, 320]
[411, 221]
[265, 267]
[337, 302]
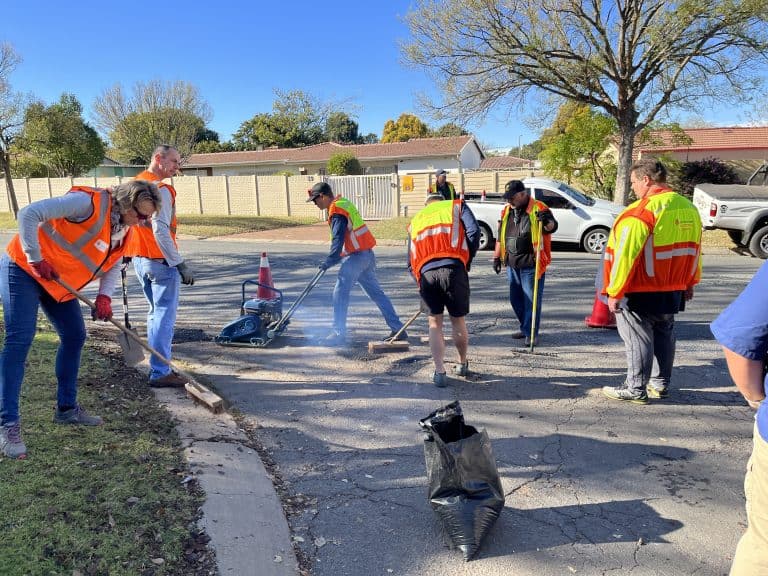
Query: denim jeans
[360, 267]
[22, 296]
[521, 297]
[160, 284]
[649, 340]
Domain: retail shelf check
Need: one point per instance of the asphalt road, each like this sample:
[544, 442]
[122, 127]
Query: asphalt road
[592, 486]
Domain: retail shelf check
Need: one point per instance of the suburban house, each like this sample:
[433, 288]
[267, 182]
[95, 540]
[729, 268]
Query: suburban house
[505, 163]
[739, 144]
[455, 154]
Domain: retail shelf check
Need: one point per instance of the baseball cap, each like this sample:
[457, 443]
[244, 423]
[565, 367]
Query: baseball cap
[440, 172]
[318, 190]
[513, 187]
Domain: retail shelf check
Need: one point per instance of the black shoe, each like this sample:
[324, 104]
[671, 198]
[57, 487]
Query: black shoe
[391, 337]
[170, 380]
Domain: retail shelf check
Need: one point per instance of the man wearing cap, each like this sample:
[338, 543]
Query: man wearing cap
[443, 238]
[517, 249]
[442, 186]
[352, 245]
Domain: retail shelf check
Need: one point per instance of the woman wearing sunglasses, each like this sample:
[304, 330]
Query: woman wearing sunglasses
[78, 238]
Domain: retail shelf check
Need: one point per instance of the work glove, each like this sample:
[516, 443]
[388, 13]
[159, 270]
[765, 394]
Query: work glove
[545, 217]
[103, 309]
[324, 265]
[186, 274]
[44, 270]
[497, 265]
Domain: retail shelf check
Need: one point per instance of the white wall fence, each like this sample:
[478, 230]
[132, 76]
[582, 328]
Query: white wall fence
[377, 197]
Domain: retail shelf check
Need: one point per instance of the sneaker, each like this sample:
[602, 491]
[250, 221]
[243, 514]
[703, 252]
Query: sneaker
[461, 369]
[77, 415]
[170, 380]
[333, 339]
[391, 337]
[440, 379]
[623, 393]
[518, 335]
[11, 443]
[656, 393]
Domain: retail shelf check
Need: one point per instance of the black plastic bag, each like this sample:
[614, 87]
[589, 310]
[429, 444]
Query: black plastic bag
[464, 485]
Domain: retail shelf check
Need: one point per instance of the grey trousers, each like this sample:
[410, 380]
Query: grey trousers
[649, 340]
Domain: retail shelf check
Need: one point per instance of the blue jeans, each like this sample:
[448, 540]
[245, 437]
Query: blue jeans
[160, 284]
[649, 340]
[521, 297]
[22, 296]
[360, 267]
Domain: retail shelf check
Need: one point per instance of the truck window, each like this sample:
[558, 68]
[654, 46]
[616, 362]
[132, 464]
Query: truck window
[553, 199]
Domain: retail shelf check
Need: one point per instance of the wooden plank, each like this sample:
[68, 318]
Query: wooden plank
[399, 346]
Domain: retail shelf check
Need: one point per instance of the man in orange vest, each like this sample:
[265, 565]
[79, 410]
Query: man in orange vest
[160, 267]
[352, 245]
[443, 238]
[652, 262]
[75, 238]
[517, 250]
[442, 186]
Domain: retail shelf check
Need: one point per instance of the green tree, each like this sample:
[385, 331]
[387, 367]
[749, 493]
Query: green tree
[58, 137]
[449, 129]
[344, 164]
[575, 148]
[154, 113]
[12, 105]
[528, 151]
[339, 127]
[370, 138]
[208, 146]
[709, 170]
[628, 58]
[407, 126]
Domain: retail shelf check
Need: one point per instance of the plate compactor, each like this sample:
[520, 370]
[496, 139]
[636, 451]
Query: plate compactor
[262, 319]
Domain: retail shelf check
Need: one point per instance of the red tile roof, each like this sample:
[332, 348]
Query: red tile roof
[503, 162]
[417, 147]
[711, 139]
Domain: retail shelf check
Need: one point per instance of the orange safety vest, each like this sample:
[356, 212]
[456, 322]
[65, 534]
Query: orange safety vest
[143, 241]
[357, 236]
[437, 232]
[545, 256]
[670, 259]
[79, 251]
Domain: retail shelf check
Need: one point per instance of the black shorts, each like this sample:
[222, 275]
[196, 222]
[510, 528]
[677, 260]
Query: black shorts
[445, 287]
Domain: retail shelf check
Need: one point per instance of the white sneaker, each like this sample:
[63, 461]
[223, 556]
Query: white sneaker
[11, 443]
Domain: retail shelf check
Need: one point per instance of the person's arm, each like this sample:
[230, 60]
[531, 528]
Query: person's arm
[108, 281]
[548, 222]
[161, 228]
[747, 375]
[630, 238]
[75, 205]
[471, 230]
[338, 231]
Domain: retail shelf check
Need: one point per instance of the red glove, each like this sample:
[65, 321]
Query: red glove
[44, 270]
[103, 309]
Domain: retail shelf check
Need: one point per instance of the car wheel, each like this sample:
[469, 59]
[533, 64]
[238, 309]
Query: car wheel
[758, 244]
[486, 238]
[594, 240]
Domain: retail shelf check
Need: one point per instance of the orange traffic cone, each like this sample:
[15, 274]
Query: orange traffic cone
[482, 196]
[601, 317]
[265, 279]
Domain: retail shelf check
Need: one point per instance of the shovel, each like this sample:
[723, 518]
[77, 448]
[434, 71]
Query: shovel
[132, 352]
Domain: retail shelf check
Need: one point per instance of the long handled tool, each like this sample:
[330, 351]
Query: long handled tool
[198, 392]
[392, 344]
[132, 353]
[276, 328]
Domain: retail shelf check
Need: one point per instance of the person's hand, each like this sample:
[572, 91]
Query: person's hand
[186, 274]
[103, 309]
[44, 270]
[324, 265]
[613, 305]
[126, 260]
[545, 217]
[688, 295]
[497, 265]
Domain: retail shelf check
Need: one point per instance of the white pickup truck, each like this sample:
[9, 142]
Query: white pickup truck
[739, 209]
[581, 219]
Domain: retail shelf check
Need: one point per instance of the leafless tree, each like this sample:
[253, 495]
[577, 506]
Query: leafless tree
[630, 58]
[12, 106]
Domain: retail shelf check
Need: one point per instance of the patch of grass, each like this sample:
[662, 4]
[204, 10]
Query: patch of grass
[391, 229]
[208, 226]
[7, 222]
[97, 500]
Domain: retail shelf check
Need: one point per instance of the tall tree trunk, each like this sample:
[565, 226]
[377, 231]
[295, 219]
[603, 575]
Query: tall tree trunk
[5, 168]
[626, 145]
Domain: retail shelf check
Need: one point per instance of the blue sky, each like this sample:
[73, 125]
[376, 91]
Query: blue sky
[236, 53]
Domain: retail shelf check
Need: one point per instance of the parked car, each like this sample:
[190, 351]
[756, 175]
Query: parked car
[581, 219]
[741, 210]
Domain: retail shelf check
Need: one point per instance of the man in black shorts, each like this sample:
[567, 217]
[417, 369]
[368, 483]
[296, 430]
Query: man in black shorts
[442, 241]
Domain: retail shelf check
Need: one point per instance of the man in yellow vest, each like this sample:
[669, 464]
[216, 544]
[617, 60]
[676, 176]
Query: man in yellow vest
[652, 262]
[442, 241]
[352, 245]
[442, 186]
[160, 267]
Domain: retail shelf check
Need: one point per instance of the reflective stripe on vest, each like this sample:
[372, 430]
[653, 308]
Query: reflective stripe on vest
[437, 232]
[357, 236]
[534, 206]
